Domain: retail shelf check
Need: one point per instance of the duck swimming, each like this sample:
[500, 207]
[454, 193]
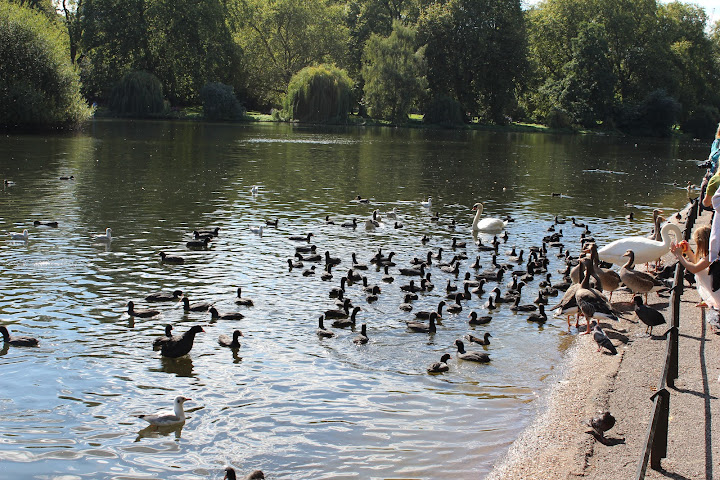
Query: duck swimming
[179, 345]
[441, 366]
[234, 342]
[164, 296]
[17, 340]
[143, 312]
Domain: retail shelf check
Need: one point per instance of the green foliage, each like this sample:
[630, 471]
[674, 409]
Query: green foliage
[444, 110]
[219, 102]
[393, 73]
[38, 86]
[702, 122]
[558, 118]
[653, 117]
[138, 94]
[319, 95]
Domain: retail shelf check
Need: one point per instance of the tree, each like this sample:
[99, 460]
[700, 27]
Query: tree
[138, 94]
[319, 95]
[38, 86]
[280, 37]
[393, 73]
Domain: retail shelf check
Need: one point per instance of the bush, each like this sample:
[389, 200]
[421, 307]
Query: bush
[319, 95]
[654, 117]
[444, 110]
[138, 94]
[702, 123]
[38, 86]
[558, 118]
[219, 102]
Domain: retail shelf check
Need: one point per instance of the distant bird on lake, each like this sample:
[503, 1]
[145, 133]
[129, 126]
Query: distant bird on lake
[165, 419]
[19, 237]
[17, 340]
[142, 312]
[164, 296]
[171, 259]
[104, 238]
[227, 341]
[470, 356]
[441, 366]
[157, 343]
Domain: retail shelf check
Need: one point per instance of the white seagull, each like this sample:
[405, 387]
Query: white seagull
[427, 204]
[23, 237]
[257, 230]
[164, 419]
[104, 238]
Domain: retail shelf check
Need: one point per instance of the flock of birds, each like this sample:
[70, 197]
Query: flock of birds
[584, 279]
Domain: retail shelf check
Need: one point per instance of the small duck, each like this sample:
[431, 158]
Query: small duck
[164, 296]
[195, 307]
[476, 320]
[470, 356]
[157, 343]
[301, 238]
[441, 366]
[17, 340]
[198, 244]
[361, 339]
[171, 259]
[240, 300]
[234, 342]
[143, 313]
[215, 315]
[321, 331]
[480, 341]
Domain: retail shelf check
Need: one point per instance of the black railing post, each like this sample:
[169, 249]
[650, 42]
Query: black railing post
[659, 442]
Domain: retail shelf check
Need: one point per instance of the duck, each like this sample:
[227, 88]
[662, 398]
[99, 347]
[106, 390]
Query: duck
[486, 224]
[426, 314]
[17, 340]
[456, 307]
[387, 278]
[327, 275]
[356, 265]
[331, 260]
[476, 320]
[427, 204]
[480, 341]
[143, 312]
[645, 249]
[361, 339]
[540, 317]
[258, 230]
[65, 177]
[649, 316]
[516, 307]
[456, 244]
[372, 295]
[441, 366]
[328, 220]
[309, 272]
[227, 341]
[602, 340]
[202, 236]
[406, 306]
[321, 331]
[420, 327]
[215, 315]
[240, 300]
[100, 238]
[591, 302]
[157, 343]
[360, 199]
[195, 307]
[38, 223]
[166, 419]
[301, 238]
[352, 276]
[339, 312]
[638, 282]
[212, 232]
[179, 345]
[198, 244]
[470, 356]
[347, 322]
[171, 259]
[352, 224]
[294, 264]
[173, 296]
[272, 223]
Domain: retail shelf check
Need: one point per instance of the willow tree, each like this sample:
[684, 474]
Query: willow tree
[319, 94]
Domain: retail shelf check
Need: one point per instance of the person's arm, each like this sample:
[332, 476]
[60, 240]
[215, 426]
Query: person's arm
[692, 267]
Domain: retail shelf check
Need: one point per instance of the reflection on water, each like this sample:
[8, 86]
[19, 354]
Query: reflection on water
[154, 431]
[286, 402]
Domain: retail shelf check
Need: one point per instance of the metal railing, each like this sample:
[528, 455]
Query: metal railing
[656, 439]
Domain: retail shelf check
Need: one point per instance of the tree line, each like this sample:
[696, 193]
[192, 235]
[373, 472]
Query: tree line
[638, 66]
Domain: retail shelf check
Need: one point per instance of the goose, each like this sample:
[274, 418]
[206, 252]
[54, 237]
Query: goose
[420, 327]
[369, 225]
[516, 307]
[540, 317]
[339, 313]
[476, 320]
[638, 282]
[171, 259]
[366, 287]
[336, 292]
[157, 343]
[240, 300]
[295, 264]
[272, 223]
[406, 306]
[373, 294]
[356, 265]
[164, 296]
[435, 217]
[309, 272]
[165, 419]
[602, 340]
[198, 244]
[352, 276]
[398, 225]
[470, 356]
[306, 249]
[486, 224]
[361, 339]
[327, 275]
[321, 331]
[482, 247]
[441, 366]
[301, 238]
[427, 204]
[450, 287]
[195, 307]
[38, 223]
[480, 289]
[98, 238]
[215, 315]
[387, 261]
[426, 314]
[418, 261]
[387, 278]
[480, 341]
[645, 249]
[424, 239]
[419, 271]
[202, 236]
[309, 258]
[257, 230]
[328, 220]
[591, 302]
[352, 224]
[490, 305]
[476, 265]
[143, 312]
[464, 295]
[456, 307]
[502, 299]
[649, 316]
[609, 279]
[230, 342]
[347, 322]
[179, 345]
[456, 244]
[455, 270]
[256, 475]
[17, 340]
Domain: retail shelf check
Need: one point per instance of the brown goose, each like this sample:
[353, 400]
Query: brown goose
[470, 356]
[638, 282]
[609, 279]
[590, 301]
[323, 332]
[421, 327]
[17, 340]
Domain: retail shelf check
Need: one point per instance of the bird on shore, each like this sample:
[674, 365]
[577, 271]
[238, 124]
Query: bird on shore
[231, 342]
[638, 282]
[602, 339]
[590, 301]
[165, 419]
[441, 366]
[17, 340]
[179, 345]
[649, 316]
[601, 423]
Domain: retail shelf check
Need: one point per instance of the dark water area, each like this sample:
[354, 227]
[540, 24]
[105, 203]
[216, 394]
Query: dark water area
[286, 402]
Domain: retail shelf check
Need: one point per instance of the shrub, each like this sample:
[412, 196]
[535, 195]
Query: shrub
[38, 86]
[702, 122]
[558, 118]
[219, 102]
[654, 117]
[444, 110]
[138, 94]
[319, 94]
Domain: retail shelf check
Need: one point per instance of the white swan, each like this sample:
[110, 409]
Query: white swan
[427, 204]
[645, 249]
[22, 237]
[104, 238]
[486, 224]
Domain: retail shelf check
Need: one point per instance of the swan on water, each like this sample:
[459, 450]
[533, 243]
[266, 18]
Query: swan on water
[486, 224]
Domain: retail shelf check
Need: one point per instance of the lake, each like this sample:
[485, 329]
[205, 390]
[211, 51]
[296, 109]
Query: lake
[287, 402]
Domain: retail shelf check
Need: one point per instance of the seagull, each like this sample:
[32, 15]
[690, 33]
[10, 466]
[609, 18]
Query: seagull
[254, 189]
[427, 204]
[104, 238]
[164, 419]
[22, 237]
[257, 230]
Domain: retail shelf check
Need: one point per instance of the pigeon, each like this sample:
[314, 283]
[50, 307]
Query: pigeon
[603, 340]
[649, 316]
[602, 423]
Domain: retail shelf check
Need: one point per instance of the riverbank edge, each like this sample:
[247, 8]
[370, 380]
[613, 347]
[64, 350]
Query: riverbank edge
[557, 444]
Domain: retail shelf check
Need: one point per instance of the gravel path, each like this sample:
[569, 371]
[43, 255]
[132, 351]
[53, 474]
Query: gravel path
[557, 445]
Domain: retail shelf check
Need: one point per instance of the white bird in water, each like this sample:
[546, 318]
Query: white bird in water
[257, 230]
[164, 419]
[23, 237]
[104, 238]
[427, 204]
[254, 189]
